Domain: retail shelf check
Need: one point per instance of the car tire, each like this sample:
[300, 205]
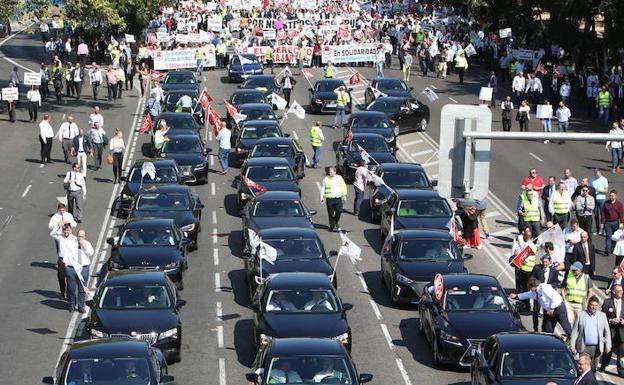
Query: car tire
[180, 285]
[437, 361]
[421, 325]
[423, 124]
[393, 297]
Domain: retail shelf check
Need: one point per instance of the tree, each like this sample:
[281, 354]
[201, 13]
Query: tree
[9, 8]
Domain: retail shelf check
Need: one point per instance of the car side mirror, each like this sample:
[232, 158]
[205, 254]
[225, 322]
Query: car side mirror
[365, 377]
[237, 177]
[391, 211]
[179, 303]
[347, 306]
[198, 81]
[112, 241]
[240, 86]
[299, 176]
[434, 182]
[279, 117]
[312, 212]
[286, 135]
[333, 253]
[90, 303]
[167, 379]
[199, 206]
[467, 257]
[310, 89]
[411, 89]
[350, 89]
[252, 377]
[48, 380]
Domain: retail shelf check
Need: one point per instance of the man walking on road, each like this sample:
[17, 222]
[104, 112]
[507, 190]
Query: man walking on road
[81, 149]
[223, 137]
[359, 185]
[78, 77]
[507, 111]
[56, 225]
[577, 288]
[559, 206]
[613, 308]
[288, 83]
[98, 139]
[95, 79]
[342, 100]
[76, 188]
[591, 334]
[34, 102]
[316, 140]
[66, 134]
[611, 217]
[75, 253]
[46, 136]
[334, 192]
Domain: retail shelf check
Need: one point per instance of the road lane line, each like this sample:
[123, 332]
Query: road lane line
[404, 374]
[452, 100]
[26, 190]
[219, 311]
[412, 142]
[420, 153]
[214, 217]
[432, 86]
[220, 336]
[376, 310]
[211, 161]
[217, 282]
[214, 236]
[5, 224]
[490, 214]
[215, 253]
[212, 188]
[295, 135]
[386, 334]
[536, 157]
[504, 231]
[222, 378]
[363, 281]
[428, 164]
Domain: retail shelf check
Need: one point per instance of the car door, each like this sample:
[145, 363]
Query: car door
[299, 157]
[385, 214]
[386, 256]
[341, 154]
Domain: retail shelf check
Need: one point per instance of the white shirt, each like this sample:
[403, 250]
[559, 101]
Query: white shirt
[618, 306]
[76, 181]
[67, 131]
[224, 139]
[574, 236]
[615, 131]
[95, 76]
[519, 83]
[57, 221]
[116, 145]
[97, 136]
[74, 254]
[563, 114]
[361, 176]
[546, 295]
[45, 131]
[565, 90]
[618, 237]
[33, 96]
[185, 101]
[96, 118]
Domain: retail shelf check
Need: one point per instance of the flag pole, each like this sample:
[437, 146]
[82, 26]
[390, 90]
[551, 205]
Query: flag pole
[337, 259]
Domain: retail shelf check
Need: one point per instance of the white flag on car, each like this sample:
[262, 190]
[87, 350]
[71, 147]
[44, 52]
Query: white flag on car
[349, 248]
[430, 94]
[278, 101]
[296, 109]
[268, 252]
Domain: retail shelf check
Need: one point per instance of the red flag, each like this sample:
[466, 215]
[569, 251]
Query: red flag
[204, 99]
[157, 76]
[349, 136]
[266, 4]
[147, 124]
[522, 255]
[622, 265]
[250, 184]
[231, 110]
[355, 78]
[308, 74]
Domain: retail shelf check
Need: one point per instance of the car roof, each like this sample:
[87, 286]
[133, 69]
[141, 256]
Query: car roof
[510, 341]
[260, 122]
[156, 161]
[451, 280]
[417, 193]
[141, 222]
[260, 77]
[288, 233]
[165, 188]
[378, 114]
[259, 106]
[249, 55]
[181, 72]
[247, 91]
[276, 141]
[299, 280]
[391, 98]
[170, 114]
[387, 78]
[357, 136]
[287, 347]
[277, 195]
[108, 348]
[182, 135]
[131, 277]
[402, 166]
[329, 81]
[407, 234]
[183, 91]
[268, 161]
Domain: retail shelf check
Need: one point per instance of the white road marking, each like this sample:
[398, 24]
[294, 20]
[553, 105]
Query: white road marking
[536, 157]
[452, 100]
[420, 153]
[214, 217]
[5, 224]
[318, 185]
[212, 161]
[217, 282]
[386, 334]
[412, 142]
[376, 309]
[220, 336]
[432, 163]
[222, 378]
[505, 231]
[294, 134]
[219, 311]
[212, 188]
[432, 86]
[491, 214]
[357, 92]
[363, 281]
[215, 239]
[434, 176]
[406, 378]
[26, 190]
[215, 253]
[210, 135]
[41, 165]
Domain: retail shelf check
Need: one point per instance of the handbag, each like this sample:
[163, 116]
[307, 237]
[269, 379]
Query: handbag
[109, 158]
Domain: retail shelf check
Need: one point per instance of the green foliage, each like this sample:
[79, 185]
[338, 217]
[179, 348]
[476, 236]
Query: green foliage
[9, 8]
[119, 15]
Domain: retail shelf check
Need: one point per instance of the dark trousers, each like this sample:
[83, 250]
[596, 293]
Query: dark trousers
[33, 108]
[461, 71]
[535, 313]
[506, 124]
[75, 288]
[46, 149]
[78, 89]
[98, 148]
[533, 225]
[43, 89]
[11, 108]
[117, 163]
[599, 205]
[112, 91]
[119, 88]
[524, 125]
[69, 88]
[287, 92]
[74, 203]
[561, 219]
[560, 316]
[359, 197]
[334, 210]
[60, 273]
[610, 227]
[585, 223]
[617, 344]
[95, 90]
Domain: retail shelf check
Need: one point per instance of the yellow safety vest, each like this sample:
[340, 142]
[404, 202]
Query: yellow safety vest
[328, 190]
[329, 72]
[121, 76]
[343, 99]
[461, 62]
[269, 54]
[512, 68]
[604, 98]
[530, 209]
[199, 54]
[529, 263]
[315, 137]
[560, 204]
[576, 290]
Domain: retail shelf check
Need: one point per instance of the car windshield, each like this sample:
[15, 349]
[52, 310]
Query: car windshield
[269, 173]
[173, 98]
[405, 179]
[391, 85]
[309, 369]
[168, 202]
[475, 298]
[538, 364]
[267, 150]
[108, 371]
[167, 174]
[180, 79]
[258, 113]
[236, 60]
[249, 97]
[328, 86]
[375, 144]
[428, 250]
[302, 301]
[385, 105]
[424, 208]
[187, 145]
[369, 122]
[257, 132]
[259, 82]
[278, 208]
[135, 297]
[178, 121]
[291, 249]
[149, 237]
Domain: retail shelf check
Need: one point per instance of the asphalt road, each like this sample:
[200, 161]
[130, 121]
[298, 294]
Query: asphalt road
[217, 342]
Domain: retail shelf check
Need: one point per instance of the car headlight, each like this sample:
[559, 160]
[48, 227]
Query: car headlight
[243, 196]
[171, 333]
[98, 334]
[319, 101]
[172, 266]
[116, 265]
[200, 166]
[188, 228]
[344, 338]
[403, 279]
[241, 150]
[265, 339]
[389, 139]
[449, 337]
[396, 130]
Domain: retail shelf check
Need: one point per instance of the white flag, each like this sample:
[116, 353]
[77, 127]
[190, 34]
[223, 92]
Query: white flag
[376, 179]
[296, 109]
[239, 117]
[254, 240]
[365, 156]
[378, 93]
[349, 249]
[278, 101]
[244, 60]
[555, 236]
[430, 94]
[470, 50]
[268, 253]
[148, 168]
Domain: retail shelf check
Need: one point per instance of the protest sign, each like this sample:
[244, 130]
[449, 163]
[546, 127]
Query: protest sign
[10, 93]
[32, 78]
[486, 93]
[170, 60]
[504, 33]
[349, 53]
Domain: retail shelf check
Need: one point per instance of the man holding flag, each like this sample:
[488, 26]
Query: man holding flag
[223, 137]
[316, 140]
[75, 253]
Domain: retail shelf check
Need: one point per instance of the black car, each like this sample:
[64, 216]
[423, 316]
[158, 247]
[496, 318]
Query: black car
[252, 111]
[167, 172]
[287, 148]
[408, 114]
[111, 361]
[271, 174]
[415, 209]
[458, 312]
[396, 176]
[180, 80]
[5, 27]
[141, 305]
[323, 98]
[263, 83]
[298, 250]
[245, 96]
[523, 358]
[173, 201]
[275, 209]
[372, 122]
[239, 71]
[411, 258]
[349, 154]
[307, 360]
[250, 132]
[300, 305]
[172, 98]
[190, 154]
[152, 244]
[388, 86]
[177, 121]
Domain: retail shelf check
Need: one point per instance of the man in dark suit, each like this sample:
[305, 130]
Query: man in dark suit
[614, 309]
[81, 149]
[549, 189]
[616, 279]
[586, 375]
[585, 253]
[287, 83]
[545, 273]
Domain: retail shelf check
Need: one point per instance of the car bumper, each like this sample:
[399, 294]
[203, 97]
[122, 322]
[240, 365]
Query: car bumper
[408, 294]
[170, 347]
[460, 353]
[194, 174]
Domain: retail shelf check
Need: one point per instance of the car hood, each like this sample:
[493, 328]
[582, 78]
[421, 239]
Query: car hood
[127, 321]
[186, 159]
[248, 67]
[280, 185]
[247, 143]
[385, 132]
[181, 218]
[331, 95]
[182, 86]
[303, 325]
[531, 381]
[146, 256]
[426, 270]
[133, 187]
[480, 324]
[397, 93]
[441, 223]
[261, 223]
[318, 265]
[380, 157]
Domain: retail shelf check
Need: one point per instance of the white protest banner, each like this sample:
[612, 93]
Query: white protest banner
[486, 93]
[470, 50]
[210, 55]
[32, 78]
[10, 93]
[544, 111]
[194, 38]
[504, 33]
[349, 53]
[129, 38]
[162, 37]
[215, 23]
[211, 6]
[269, 34]
[281, 53]
[234, 25]
[170, 60]
[182, 39]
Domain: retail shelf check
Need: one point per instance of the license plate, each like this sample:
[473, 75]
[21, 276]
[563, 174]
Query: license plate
[244, 76]
[472, 352]
[330, 105]
[186, 173]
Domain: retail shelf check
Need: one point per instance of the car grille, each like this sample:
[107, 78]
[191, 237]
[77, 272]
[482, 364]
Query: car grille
[186, 170]
[468, 356]
[144, 267]
[150, 338]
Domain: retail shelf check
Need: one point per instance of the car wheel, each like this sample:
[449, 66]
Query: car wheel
[180, 285]
[423, 124]
[437, 361]
[421, 324]
[393, 295]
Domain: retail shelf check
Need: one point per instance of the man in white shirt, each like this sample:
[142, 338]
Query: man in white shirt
[283, 374]
[359, 185]
[76, 253]
[76, 188]
[95, 79]
[380, 59]
[96, 117]
[66, 134]
[77, 77]
[34, 102]
[224, 138]
[98, 139]
[572, 235]
[563, 117]
[46, 136]
[185, 102]
[518, 86]
[56, 225]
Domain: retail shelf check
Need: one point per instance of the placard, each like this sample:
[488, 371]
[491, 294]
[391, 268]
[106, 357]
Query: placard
[182, 39]
[170, 60]
[486, 93]
[281, 53]
[504, 33]
[269, 34]
[130, 38]
[162, 37]
[349, 53]
[215, 23]
[10, 93]
[544, 111]
[32, 78]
